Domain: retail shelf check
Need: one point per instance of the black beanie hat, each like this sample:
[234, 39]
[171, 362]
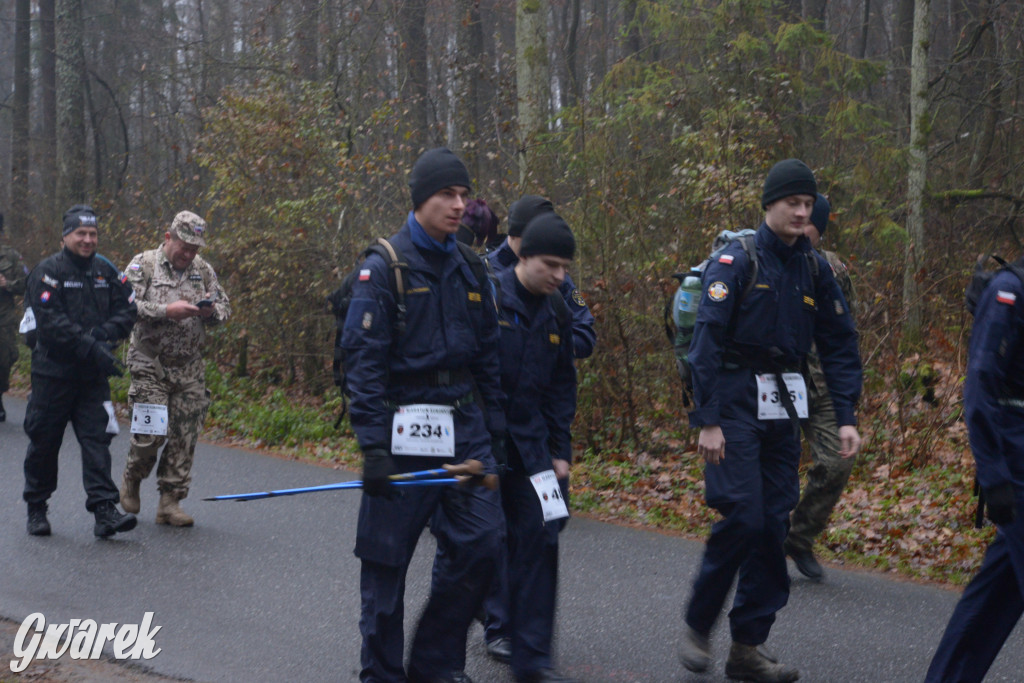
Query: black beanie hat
[819, 214]
[435, 170]
[523, 210]
[786, 178]
[77, 216]
[549, 235]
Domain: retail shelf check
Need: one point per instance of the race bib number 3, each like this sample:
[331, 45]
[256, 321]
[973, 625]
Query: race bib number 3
[149, 418]
[550, 495]
[423, 429]
[769, 400]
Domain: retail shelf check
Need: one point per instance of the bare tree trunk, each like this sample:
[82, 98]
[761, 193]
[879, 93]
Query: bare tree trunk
[307, 27]
[469, 57]
[532, 78]
[71, 103]
[865, 25]
[917, 175]
[573, 89]
[19, 120]
[412, 19]
[46, 164]
[814, 10]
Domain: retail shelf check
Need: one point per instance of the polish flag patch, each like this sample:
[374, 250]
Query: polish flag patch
[726, 259]
[364, 275]
[1008, 298]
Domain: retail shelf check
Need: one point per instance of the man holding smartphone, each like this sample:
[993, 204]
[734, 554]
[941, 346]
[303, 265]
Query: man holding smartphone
[178, 296]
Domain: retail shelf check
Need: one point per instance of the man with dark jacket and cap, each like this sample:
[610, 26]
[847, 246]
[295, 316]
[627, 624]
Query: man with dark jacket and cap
[507, 255]
[539, 378]
[436, 362]
[829, 472]
[83, 308]
[12, 284]
[746, 356]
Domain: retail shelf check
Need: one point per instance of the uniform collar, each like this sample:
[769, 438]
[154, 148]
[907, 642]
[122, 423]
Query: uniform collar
[767, 239]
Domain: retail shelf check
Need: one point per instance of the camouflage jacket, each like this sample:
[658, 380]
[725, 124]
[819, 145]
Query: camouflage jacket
[156, 284]
[839, 269]
[14, 270]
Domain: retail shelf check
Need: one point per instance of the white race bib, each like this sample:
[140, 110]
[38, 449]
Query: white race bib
[149, 418]
[423, 429]
[769, 402]
[28, 321]
[112, 426]
[550, 495]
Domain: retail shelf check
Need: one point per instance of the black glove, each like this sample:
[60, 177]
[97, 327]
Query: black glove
[999, 502]
[99, 334]
[499, 449]
[377, 467]
[105, 360]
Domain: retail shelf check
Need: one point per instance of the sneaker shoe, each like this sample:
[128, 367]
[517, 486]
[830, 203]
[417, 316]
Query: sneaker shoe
[38, 525]
[748, 663]
[500, 649]
[695, 650]
[110, 521]
[805, 563]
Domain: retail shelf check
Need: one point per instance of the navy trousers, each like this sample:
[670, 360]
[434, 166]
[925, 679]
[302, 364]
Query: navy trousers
[467, 524]
[987, 612]
[755, 487]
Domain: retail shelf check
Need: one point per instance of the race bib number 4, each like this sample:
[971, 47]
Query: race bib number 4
[423, 429]
[550, 494]
[149, 418]
[769, 399]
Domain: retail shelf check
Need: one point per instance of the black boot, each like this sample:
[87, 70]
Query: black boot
[38, 525]
[3, 413]
[109, 520]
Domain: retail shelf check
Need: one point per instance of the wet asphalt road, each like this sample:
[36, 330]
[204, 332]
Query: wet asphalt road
[268, 590]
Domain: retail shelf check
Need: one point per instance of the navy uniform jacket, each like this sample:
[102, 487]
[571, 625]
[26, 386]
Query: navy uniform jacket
[451, 324]
[994, 391]
[584, 338]
[785, 311]
[539, 377]
[71, 297]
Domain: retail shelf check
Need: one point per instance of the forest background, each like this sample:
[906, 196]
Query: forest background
[291, 126]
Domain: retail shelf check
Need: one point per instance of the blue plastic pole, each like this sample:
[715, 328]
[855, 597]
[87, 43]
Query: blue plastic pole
[343, 485]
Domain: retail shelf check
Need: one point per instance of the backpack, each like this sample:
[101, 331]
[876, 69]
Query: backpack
[340, 299]
[680, 312]
[981, 277]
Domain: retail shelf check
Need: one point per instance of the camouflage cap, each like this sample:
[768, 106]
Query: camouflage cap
[189, 228]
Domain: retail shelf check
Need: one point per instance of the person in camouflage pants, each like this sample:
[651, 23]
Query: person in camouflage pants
[178, 296]
[12, 283]
[829, 473]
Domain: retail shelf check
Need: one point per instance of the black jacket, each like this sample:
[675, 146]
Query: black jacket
[76, 300]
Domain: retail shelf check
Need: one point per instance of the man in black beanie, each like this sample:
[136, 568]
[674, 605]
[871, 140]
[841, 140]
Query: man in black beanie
[539, 376]
[432, 362]
[83, 309]
[748, 351]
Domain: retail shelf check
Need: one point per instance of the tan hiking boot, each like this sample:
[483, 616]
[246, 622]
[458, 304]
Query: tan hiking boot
[169, 512]
[694, 650]
[748, 663]
[130, 493]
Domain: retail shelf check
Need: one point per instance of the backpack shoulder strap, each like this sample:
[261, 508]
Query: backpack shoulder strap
[396, 264]
[476, 264]
[750, 247]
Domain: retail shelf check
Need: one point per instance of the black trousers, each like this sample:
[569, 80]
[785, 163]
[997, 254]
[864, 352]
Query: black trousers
[52, 404]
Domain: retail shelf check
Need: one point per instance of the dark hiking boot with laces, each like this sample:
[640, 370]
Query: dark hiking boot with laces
[38, 525]
[110, 521]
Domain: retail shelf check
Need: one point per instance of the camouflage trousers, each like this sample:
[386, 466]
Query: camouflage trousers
[827, 476]
[183, 391]
[8, 351]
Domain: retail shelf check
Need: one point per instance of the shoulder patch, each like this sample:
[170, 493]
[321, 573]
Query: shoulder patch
[718, 291]
[1004, 297]
[47, 280]
[135, 266]
[577, 298]
[727, 259]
